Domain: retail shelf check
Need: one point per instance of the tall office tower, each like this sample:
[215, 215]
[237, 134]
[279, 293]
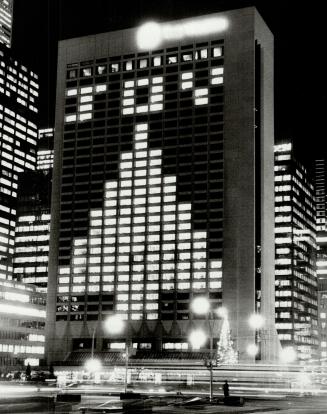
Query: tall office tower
[296, 280]
[322, 320]
[18, 140]
[163, 187]
[45, 149]
[6, 15]
[320, 189]
[32, 231]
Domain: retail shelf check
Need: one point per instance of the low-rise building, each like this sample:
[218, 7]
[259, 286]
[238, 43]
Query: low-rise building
[22, 321]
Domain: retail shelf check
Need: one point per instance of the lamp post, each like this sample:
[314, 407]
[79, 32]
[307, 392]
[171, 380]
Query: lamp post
[93, 364]
[201, 306]
[92, 345]
[114, 325]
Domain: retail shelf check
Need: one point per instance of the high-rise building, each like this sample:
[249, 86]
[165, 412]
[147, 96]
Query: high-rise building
[320, 171]
[322, 320]
[32, 231]
[18, 141]
[295, 265]
[163, 184]
[320, 190]
[6, 16]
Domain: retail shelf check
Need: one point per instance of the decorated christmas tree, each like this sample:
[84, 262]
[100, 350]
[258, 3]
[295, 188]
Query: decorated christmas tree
[225, 352]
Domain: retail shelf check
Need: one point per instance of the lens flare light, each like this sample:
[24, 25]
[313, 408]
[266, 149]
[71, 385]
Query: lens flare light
[197, 338]
[152, 34]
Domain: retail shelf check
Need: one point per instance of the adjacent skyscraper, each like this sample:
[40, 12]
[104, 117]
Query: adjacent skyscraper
[163, 183]
[296, 279]
[6, 15]
[32, 231]
[18, 141]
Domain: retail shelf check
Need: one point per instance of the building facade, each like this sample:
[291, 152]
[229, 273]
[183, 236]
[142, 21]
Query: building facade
[22, 326]
[18, 129]
[32, 230]
[295, 265]
[320, 169]
[6, 16]
[45, 149]
[160, 194]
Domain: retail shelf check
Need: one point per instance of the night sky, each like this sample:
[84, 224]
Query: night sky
[300, 49]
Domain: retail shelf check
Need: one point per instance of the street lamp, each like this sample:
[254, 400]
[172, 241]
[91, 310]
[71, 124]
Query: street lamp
[201, 306]
[113, 325]
[93, 365]
[252, 349]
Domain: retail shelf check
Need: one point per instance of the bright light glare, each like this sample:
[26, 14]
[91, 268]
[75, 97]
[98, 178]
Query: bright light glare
[252, 349]
[93, 365]
[303, 378]
[149, 36]
[205, 26]
[200, 305]
[288, 354]
[222, 312]
[21, 310]
[256, 321]
[114, 324]
[197, 338]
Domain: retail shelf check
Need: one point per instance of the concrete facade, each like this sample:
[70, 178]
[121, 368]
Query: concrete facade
[247, 282]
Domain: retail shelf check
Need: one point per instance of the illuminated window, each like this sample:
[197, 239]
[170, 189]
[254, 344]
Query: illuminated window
[143, 63]
[187, 75]
[114, 67]
[156, 89]
[129, 93]
[187, 85]
[171, 59]
[71, 92]
[128, 111]
[157, 61]
[217, 71]
[70, 118]
[217, 51]
[136, 306]
[122, 306]
[85, 90]
[87, 72]
[101, 69]
[85, 116]
[187, 57]
[152, 316]
[204, 53]
[143, 82]
[129, 65]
